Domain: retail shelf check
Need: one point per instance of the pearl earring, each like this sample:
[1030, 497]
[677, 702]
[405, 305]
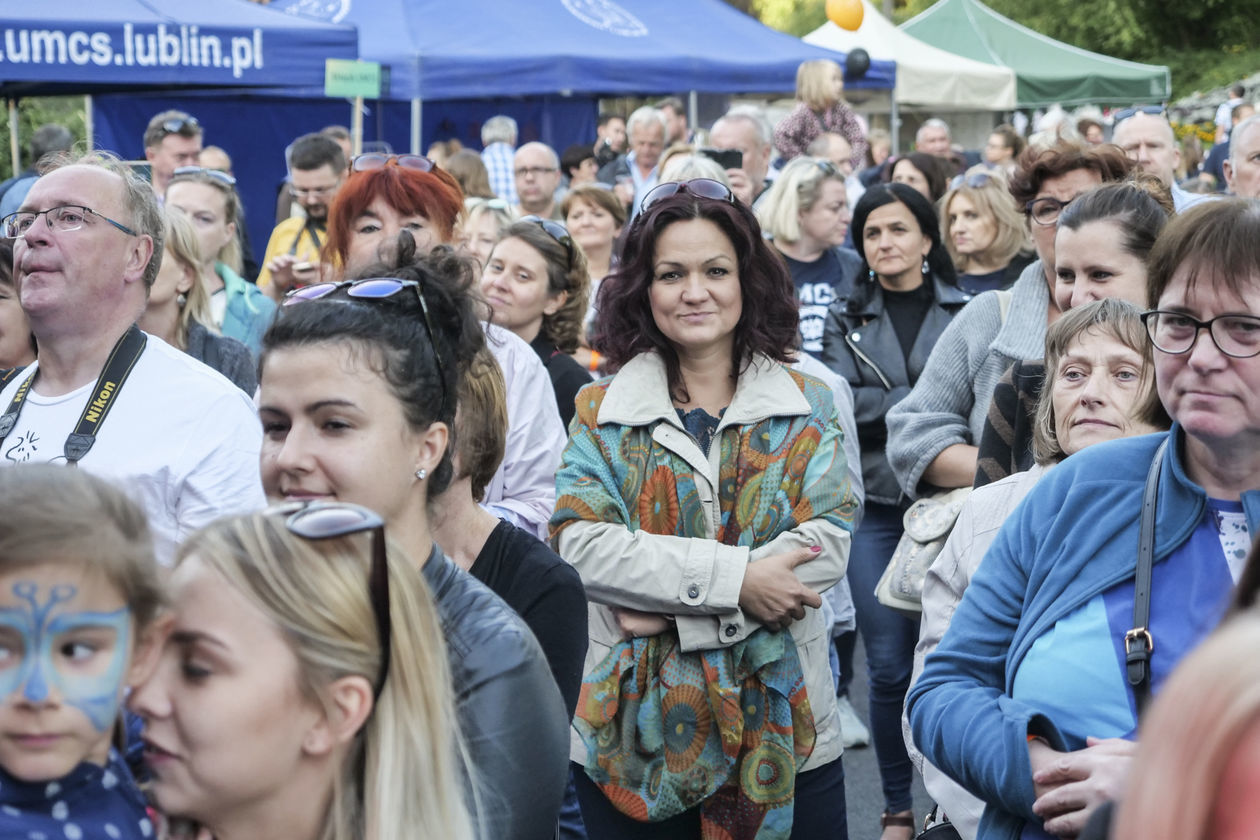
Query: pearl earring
[422, 473]
[926, 269]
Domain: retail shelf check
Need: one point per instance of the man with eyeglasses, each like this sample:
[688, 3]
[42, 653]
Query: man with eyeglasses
[171, 140]
[1147, 137]
[181, 439]
[317, 169]
[537, 171]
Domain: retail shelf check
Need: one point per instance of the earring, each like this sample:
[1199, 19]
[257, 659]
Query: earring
[926, 270]
[871, 275]
[181, 300]
[422, 473]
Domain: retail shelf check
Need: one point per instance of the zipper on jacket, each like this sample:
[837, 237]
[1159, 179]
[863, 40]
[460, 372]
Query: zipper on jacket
[867, 359]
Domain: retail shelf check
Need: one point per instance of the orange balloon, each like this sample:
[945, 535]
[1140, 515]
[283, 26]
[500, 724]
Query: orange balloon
[846, 14]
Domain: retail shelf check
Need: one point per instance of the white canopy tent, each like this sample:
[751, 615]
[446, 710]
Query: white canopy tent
[929, 79]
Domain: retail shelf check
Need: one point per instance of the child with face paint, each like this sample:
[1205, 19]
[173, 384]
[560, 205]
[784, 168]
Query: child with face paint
[79, 590]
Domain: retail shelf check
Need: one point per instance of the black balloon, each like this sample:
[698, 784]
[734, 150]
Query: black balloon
[856, 63]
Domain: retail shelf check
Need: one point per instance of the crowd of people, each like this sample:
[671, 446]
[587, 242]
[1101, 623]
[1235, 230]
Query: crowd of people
[535, 494]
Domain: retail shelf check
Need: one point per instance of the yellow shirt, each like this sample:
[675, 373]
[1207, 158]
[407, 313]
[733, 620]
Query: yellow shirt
[292, 236]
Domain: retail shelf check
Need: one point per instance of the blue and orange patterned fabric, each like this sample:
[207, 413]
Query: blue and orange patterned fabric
[723, 729]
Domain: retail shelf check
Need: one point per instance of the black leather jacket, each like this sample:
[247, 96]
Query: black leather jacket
[860, 344]
[509, 708]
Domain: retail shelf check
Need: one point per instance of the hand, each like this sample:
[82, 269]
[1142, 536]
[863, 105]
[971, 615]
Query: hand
[634, 624]
[741, 186]
[1070, 785]
[771, 592]
[287, 271]
[624, 189]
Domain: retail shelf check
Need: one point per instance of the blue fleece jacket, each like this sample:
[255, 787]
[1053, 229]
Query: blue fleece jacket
[1074, 537]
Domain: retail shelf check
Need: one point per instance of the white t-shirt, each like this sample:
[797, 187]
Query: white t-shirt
[181, 440]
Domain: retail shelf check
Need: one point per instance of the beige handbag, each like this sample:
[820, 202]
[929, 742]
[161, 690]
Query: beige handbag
[927, 522]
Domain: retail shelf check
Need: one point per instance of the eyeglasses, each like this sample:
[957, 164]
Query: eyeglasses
[64, 218]
[379, 160]
[214, 174]
[374, 288]
[828, 168]
[536, 171]
[1124, 113]
[329, 520]
[1045, 211]
[698, 187]
[556, 231]
[1174, 333]
[182, 125]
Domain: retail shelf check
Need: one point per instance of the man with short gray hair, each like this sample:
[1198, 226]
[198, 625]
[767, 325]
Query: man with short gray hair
[179, 438]
[746, 129]
[536, 168]
[1242, 169]
[498, 140]
[639, 167]
[1148, 139]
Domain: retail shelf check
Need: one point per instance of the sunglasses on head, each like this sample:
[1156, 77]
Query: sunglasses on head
[1124, 113]
[373, 288]
[698, 187]
[328, 520]
[180, 125]
[379, 160]
[217, 174]
[556, 231]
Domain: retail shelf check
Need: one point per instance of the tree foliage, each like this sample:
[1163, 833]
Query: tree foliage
[34, 112]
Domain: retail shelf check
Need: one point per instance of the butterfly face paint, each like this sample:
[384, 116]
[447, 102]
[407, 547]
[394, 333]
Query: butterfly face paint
[48, 646]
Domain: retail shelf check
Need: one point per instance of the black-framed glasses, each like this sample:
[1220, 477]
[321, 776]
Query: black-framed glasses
[329, 520]
[1124, 113]
[66, 217]
[379, 160]
[556, 231]
[699, 187]
[182, 125]
[1237, 336]
[536, 171]
[1046, 211]
[214, 174]
[374, 288]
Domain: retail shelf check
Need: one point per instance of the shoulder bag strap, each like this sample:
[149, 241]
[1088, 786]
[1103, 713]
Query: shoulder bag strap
[1138, 643]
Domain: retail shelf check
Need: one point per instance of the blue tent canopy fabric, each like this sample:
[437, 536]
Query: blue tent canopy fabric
[83, 46]
[585, 46]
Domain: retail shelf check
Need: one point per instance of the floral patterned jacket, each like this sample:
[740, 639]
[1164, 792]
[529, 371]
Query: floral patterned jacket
[798, 129]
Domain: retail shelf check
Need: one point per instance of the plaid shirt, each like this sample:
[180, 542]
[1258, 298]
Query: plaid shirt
[498, 158]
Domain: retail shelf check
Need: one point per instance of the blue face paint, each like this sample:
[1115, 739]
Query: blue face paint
[42, 625]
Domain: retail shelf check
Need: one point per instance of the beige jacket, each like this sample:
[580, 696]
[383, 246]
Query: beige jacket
[978, 523]
[698, 580]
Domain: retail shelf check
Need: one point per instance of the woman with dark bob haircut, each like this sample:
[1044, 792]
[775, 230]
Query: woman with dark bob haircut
[702, 454]
[879, 340]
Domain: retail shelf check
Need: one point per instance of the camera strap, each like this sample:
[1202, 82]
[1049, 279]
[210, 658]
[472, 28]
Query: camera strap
[122, 359]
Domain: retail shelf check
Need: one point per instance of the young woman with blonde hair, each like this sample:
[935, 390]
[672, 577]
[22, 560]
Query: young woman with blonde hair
[304, 690]
[984, 232]
[178, 310]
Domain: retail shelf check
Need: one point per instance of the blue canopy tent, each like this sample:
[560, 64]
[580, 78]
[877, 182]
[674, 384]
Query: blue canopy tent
[571, 46]
[85, 46]
[543, 62]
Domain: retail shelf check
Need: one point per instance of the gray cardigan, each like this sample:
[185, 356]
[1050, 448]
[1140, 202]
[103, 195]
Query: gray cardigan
[949, 402]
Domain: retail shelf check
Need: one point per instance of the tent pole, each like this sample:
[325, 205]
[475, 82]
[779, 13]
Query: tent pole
[894, 124]
[356, 127]
[14, 149]
[89, 126]
[693, 111]
[415, 126]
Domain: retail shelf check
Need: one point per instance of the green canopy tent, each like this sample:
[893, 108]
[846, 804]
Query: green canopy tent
[1046, 71]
